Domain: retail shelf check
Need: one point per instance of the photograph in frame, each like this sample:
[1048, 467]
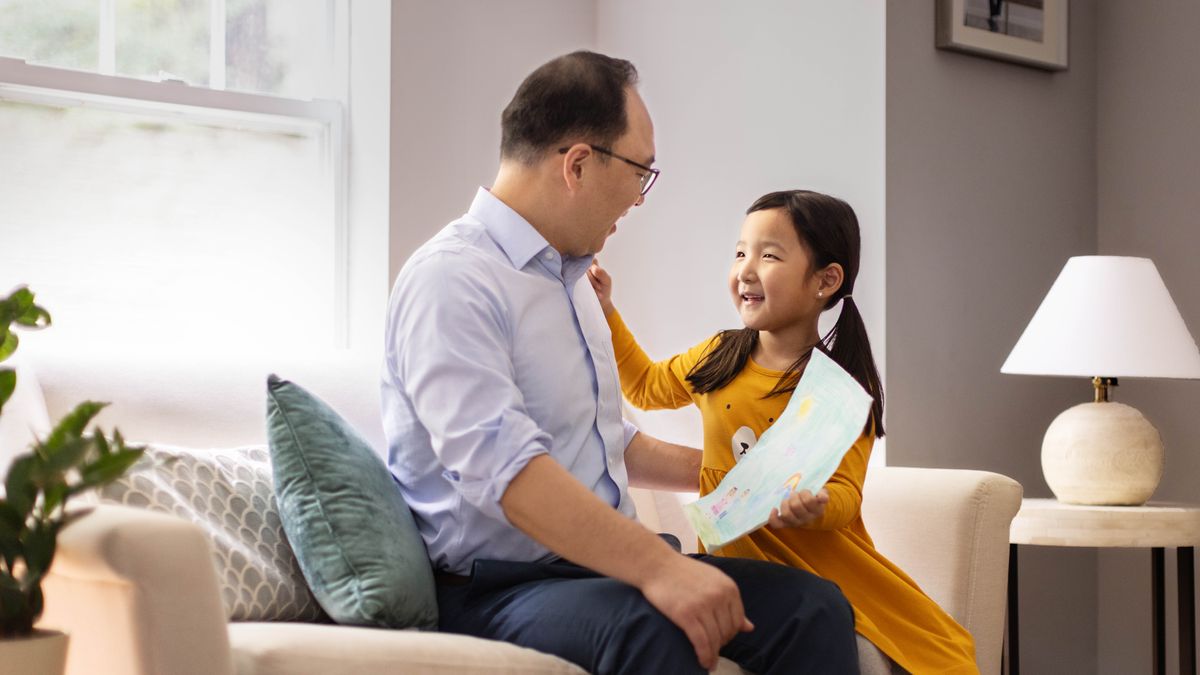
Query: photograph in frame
[1029, 32]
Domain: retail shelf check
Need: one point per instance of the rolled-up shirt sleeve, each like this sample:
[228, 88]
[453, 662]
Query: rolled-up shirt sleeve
[456, 368]
[631, 430]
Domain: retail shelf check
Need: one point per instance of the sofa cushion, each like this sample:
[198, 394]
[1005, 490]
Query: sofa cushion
[353, 534]
[299, 649]
[229, 494]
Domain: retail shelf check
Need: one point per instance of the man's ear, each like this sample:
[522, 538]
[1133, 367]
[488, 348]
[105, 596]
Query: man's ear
[831, 278]
[573, 165]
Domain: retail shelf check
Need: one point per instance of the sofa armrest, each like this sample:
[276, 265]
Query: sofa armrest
[137, 593]
[948, 529]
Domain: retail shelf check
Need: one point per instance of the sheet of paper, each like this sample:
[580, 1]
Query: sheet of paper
[800, 451]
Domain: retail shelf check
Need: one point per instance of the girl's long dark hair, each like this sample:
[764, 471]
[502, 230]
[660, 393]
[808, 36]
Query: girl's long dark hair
[828, 230]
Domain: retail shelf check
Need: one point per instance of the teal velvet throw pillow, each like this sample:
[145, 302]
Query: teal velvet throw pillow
[353, 535]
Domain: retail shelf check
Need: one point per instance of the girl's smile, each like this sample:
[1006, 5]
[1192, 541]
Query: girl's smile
[771, 280]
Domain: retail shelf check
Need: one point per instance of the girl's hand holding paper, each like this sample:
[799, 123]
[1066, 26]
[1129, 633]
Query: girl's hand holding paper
[799, 509]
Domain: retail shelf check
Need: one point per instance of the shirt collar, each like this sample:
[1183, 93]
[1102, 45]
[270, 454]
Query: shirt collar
[512, 233]
[520, 241]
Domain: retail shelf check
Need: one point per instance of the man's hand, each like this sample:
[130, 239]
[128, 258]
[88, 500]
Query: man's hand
[602, 283]
[799, 509]
[702, 601]
[551, 506]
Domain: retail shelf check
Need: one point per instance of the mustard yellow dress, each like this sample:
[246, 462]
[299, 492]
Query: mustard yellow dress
[890, 609]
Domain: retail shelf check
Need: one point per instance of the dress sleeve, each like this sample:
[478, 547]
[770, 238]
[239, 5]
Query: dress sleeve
[646, 384]
[846, 486]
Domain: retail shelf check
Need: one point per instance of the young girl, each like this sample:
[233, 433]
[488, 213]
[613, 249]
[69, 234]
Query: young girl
[797, 256]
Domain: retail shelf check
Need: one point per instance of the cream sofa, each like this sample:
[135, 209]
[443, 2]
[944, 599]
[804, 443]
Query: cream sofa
[138, 593]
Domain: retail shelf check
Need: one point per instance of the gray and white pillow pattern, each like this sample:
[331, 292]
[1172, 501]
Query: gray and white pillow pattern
[230, 494]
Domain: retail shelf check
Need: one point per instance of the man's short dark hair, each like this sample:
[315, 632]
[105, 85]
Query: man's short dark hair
[576, 97]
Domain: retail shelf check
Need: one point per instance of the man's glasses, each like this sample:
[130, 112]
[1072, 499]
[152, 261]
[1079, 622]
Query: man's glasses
[647, 178]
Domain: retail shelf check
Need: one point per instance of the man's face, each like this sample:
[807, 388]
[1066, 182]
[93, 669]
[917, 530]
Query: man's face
[619, 184]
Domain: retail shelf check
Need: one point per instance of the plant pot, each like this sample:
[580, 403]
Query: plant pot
[42, 653]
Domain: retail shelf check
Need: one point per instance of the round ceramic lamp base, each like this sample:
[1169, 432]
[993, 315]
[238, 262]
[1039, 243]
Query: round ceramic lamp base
[1102, 454]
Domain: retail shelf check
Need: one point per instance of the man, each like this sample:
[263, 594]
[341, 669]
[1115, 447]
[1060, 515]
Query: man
[503, 412]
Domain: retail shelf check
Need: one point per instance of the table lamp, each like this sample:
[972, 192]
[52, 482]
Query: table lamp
[1105, 317]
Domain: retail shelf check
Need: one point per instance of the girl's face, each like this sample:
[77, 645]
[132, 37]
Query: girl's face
[772, 280]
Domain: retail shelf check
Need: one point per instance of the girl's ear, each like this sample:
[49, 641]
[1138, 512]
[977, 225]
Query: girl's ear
[830, 278]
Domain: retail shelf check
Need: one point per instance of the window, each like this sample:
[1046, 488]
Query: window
[280, 47]
[173, 170]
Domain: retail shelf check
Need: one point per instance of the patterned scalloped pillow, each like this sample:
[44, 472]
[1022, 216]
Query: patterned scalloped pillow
[230, 494]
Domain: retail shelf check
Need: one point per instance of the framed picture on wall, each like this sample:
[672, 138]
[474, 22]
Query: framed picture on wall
[1029, 32]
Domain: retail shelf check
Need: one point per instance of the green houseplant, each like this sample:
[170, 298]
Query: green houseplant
[66, 462]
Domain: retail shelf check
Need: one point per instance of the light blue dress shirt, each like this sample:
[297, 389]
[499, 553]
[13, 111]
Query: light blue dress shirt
[497, 351]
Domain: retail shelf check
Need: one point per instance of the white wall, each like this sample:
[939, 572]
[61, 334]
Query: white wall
[367, 170]
[746, 98]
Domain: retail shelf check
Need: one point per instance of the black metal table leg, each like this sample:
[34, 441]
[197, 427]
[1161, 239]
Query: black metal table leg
[1187, 609]
[1157, 563]
[1013, 652]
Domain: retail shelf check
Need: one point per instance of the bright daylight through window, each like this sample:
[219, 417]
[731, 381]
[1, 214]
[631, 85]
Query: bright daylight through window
[178, 159]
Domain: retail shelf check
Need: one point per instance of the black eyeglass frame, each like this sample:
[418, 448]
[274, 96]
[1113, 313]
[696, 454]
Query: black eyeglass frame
[647, 178]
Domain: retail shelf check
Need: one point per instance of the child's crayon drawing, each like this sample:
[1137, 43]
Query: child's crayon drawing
[800, 451]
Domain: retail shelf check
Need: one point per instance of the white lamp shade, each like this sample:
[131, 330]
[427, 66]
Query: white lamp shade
[1106, 316]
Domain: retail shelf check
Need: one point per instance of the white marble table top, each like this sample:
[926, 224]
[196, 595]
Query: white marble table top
[1048, 522]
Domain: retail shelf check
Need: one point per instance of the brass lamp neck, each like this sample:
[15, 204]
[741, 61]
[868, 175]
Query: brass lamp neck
[1102, 384]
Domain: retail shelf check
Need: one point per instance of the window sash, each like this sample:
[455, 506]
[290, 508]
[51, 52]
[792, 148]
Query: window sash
[47, 85]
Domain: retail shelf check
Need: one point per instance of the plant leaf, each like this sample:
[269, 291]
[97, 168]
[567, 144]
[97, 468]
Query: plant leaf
[15, 305]
[37, 602]
[108, 468]
[21, 299]
[39, 548]
[19, 487]
[34, 317]
[8, 384]
[9, 583]
[101, 443]
[61, 459]
[55, 495]
[71, 426]
[9, 345]
[11, 525]
[11, 521]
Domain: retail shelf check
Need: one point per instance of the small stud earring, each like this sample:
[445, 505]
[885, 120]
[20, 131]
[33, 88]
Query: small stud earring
[820, 294]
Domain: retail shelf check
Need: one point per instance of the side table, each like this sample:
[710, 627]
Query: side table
[1156, 526]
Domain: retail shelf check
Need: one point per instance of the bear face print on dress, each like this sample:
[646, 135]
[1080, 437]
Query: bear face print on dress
[743, 440]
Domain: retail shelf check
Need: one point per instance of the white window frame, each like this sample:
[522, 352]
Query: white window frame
[62, 87]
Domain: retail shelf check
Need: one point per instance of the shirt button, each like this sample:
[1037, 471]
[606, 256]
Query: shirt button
[548, 255]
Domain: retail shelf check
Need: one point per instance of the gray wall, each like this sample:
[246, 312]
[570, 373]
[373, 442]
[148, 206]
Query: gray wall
[1148, 159]
[729, 127]
[990, 187]
[741, 106]
[455, 65]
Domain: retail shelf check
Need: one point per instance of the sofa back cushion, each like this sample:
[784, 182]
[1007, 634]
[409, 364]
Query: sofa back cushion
[228, 493]
[354, 535]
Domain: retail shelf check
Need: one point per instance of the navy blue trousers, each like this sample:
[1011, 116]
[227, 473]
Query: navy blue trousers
[803, 623]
